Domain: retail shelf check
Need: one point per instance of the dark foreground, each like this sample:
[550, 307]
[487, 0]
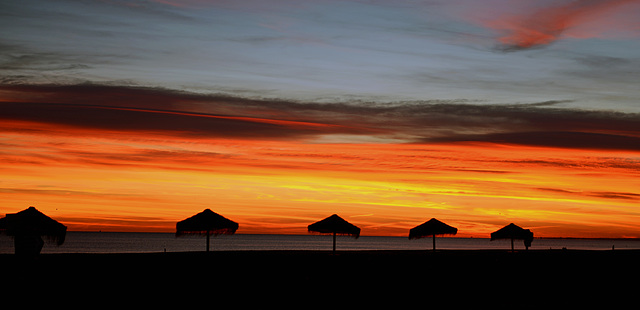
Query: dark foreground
[525, 279]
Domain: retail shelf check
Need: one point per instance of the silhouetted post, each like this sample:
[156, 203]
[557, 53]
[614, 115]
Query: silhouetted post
[434, 242]
[208, 236]
[334, 242]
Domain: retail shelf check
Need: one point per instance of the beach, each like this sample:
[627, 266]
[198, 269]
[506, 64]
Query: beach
[529, 277]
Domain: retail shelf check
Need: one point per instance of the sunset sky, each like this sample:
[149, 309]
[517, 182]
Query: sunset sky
[123, 115]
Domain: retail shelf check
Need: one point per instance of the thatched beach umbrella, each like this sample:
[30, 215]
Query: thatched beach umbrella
[28, 227]
[432, 228]
[512, 232]
[334, 225]
[206, 223]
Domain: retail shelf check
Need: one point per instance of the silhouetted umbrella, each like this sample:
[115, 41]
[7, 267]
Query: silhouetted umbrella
[206, 223]
[28, 227]
[334, 225]
[512, 232]
[432, 228]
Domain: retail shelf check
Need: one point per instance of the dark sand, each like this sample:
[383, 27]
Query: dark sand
[531, 278]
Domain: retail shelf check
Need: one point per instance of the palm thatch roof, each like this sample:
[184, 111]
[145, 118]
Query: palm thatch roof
[207, 223]
[512, 232]
[430, 228]
[31, 222]
[334, 225]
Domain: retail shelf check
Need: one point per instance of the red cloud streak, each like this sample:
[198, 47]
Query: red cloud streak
[574, 19]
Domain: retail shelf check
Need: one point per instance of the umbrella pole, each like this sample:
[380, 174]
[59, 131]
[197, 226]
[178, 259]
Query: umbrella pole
[334, 243]
[208, 237]
[434, 242]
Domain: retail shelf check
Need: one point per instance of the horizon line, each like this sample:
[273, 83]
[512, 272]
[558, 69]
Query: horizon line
[316, 234]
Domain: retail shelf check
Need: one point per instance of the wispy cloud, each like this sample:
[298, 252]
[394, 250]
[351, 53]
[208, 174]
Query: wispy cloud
[123, 108]
[578, 140]
[607, 195]
[170, 122]
[542, 23]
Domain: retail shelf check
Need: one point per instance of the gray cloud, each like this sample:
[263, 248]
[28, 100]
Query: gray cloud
[168, 122]
[131, 108]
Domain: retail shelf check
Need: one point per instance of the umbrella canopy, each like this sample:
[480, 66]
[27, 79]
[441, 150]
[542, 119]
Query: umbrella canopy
[512, 232]
[28, 226]
[431, 228]
[334, 225]
[206, 223]
[33, 222]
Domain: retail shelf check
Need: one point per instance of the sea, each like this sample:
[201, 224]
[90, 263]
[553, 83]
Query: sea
[127, 242]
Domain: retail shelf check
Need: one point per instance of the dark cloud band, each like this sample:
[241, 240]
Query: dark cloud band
[129, 108]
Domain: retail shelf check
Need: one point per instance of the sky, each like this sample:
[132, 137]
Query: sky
[132, 115]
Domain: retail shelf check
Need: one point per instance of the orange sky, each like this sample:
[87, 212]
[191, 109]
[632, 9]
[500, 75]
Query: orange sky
[95, 179]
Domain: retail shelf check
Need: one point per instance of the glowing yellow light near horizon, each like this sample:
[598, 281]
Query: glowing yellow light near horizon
[147, 182]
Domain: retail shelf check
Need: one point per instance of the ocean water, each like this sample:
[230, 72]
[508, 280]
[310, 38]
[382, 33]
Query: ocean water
[114, 242]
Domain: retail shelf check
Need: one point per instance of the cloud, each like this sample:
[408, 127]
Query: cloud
[575, 19]
[536, 125]
[187, 114]
[58, 192]
[172, 122]
[568, 139]
[597, 194]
